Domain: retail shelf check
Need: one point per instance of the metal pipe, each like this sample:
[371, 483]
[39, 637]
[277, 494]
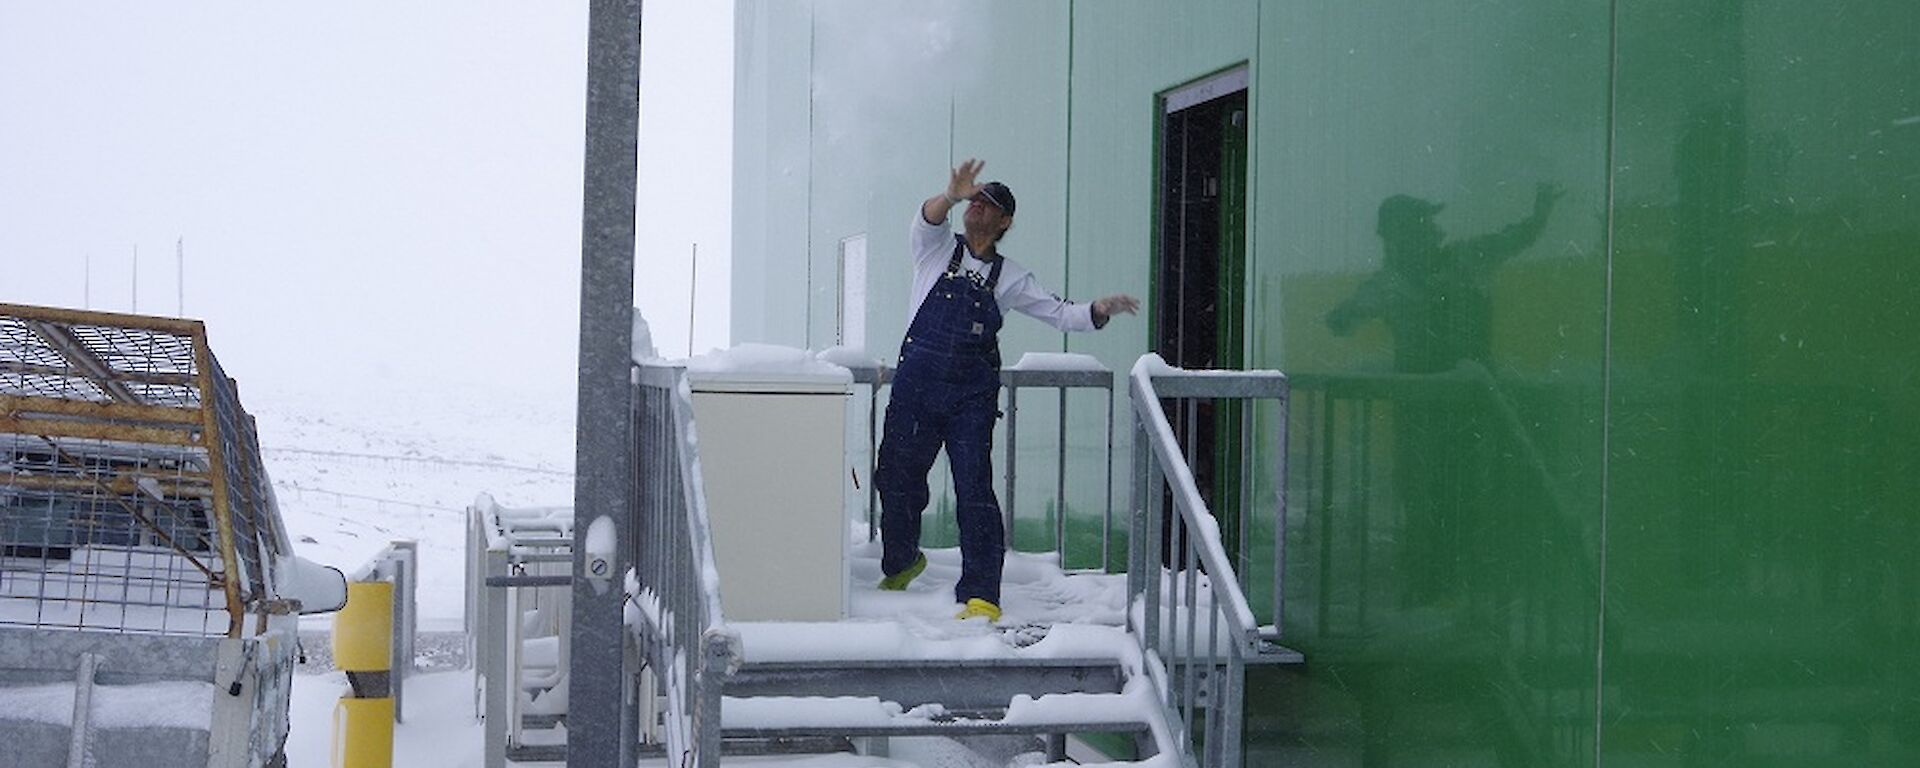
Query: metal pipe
[1137, 513]
[1191, 621]
[1060, 487]
[1006, 509]
[529, 581]
[1243, 514]
[1280, 524]
[873, 458]
[1156, 516]
[1106, 525]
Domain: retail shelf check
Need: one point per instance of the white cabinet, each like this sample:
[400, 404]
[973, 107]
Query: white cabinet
[773, 456]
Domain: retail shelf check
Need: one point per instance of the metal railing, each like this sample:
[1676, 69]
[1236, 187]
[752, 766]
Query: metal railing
[674, 595]
[1061, 373]
[688, 652]
[518, 617]
[1188, 606]
[872, 375]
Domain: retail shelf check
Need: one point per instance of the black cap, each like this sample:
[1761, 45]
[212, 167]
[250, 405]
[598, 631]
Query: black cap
[998, 194]
[1407, 208]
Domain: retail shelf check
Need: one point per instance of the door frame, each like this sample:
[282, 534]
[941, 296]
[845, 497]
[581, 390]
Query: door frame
[1226, 80]
[1226, 448]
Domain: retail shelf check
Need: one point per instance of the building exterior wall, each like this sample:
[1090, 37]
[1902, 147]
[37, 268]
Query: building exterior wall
[1651, 507]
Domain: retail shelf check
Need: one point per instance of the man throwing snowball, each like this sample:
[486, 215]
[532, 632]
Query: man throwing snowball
[946, 390]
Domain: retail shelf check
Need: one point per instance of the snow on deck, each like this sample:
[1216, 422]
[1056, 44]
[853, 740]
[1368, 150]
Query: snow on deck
[1033, 589]
[1046, 613]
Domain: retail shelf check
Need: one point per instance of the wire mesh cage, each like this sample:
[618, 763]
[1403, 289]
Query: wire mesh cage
[132, 497]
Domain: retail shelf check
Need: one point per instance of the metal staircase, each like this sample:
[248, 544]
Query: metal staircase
[1162, 669]
[1171, 678]
[830, 702]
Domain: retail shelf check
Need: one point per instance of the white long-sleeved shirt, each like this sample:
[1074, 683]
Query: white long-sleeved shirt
[1017, 289]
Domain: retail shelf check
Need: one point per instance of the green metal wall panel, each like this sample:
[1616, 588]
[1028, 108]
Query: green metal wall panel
[772, 169]
[1761, 588]
[1444, 565]
[1621, 480]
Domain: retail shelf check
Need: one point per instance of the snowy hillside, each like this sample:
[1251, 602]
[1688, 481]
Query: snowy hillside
[353, 473]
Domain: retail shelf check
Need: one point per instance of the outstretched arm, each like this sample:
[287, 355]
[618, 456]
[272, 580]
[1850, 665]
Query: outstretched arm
[1026, 296]
[960, 187]
[1489, 251]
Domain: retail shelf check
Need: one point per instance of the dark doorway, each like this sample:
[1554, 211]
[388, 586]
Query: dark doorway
[1199, 291]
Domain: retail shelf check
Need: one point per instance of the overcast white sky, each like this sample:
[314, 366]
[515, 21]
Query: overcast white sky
[373, 195]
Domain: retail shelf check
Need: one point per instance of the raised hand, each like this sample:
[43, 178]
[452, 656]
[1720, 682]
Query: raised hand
[962, 185]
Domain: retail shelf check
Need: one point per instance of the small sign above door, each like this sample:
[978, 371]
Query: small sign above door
[1230, 81]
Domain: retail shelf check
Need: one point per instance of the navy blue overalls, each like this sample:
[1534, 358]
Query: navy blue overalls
[946, 391]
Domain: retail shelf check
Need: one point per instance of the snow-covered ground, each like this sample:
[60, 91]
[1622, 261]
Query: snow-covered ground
[353, 473]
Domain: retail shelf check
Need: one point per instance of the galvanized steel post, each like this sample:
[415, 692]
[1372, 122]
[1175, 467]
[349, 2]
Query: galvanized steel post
[604, 458]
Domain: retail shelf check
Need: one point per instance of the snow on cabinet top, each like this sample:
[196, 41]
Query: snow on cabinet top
[1057, 361]
[848, 357]
[766, 367]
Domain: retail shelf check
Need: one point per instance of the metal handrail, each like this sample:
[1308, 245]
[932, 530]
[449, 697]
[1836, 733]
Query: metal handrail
[1189, 682]
[1018, 376]
[675, 591]
[876, 376]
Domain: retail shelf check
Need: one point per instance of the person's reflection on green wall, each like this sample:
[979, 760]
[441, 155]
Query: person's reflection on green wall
[1433, 293]
[1435, 297]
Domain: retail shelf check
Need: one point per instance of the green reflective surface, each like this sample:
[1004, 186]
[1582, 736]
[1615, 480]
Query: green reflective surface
[1431, 241]
[1555, 505]
[1600, 316]
[1763, 601]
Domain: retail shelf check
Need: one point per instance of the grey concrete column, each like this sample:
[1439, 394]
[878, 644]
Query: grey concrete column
[603, 465]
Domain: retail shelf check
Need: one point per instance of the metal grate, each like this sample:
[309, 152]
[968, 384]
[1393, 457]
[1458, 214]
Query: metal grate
[67, 358]
[99, 535]
[130, 479]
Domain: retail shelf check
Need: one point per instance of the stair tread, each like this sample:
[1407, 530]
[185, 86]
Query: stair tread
[912, 641]
[537, 753]
[997, 662]
[867, 715]
[1275, 653]
[940, 728]
[973, 685]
